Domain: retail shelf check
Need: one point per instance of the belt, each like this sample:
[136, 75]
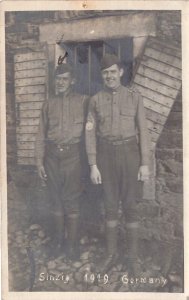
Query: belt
[63, 147]
[117, 143]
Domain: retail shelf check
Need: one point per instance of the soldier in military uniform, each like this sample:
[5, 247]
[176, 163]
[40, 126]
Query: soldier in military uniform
[118, 155]
[58, 155]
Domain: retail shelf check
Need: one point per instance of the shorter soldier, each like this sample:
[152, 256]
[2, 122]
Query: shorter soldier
[58, 155]
[115, 118]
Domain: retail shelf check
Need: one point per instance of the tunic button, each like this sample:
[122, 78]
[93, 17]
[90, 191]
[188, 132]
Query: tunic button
[61, 149]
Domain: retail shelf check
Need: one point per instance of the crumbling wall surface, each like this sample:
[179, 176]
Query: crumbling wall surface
[169, 159]
[169, 26]
[169, 151]
[162, 220]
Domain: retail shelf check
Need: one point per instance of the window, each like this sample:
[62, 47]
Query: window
[86, 58]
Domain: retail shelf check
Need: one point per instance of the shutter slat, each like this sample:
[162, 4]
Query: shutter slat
[155, 96]
[158, 65]
[30, 105]
[30, 113]
[29, 56]
[28, 65]
[26, 129]
[29, 122]
[156, 107]
[26, 161]
[29, 73]
[164, 48]
[154, 126]
[25, 145]
[25, 153]
[163, 57]
[154, 136]
[30, 97]
[156, 117]
[29, 81]
[156, 86]
[158, 76]
[26, 137]
[35, 89]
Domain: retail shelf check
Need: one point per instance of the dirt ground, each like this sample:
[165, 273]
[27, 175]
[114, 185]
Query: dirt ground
[32, 268]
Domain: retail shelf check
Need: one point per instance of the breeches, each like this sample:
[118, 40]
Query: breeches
[119, 165]
[63, 168]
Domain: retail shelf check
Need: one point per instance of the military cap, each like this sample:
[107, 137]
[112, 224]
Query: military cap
[109, 60]
[63, 68]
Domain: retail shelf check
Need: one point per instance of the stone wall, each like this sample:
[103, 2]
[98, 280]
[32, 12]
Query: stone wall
[169, 26]
[162, 220]
[169, 154]
[169, 164]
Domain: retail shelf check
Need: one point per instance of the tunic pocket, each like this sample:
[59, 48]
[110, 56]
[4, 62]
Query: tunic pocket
[127, 111]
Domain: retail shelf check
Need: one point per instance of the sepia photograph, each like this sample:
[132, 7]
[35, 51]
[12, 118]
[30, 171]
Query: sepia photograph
[94, 150]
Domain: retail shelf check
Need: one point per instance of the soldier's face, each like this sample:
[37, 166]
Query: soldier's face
[63, 82]
[112, 76]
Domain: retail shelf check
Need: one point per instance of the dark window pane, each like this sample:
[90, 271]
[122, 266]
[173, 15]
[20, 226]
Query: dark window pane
[126, 56]
[96, 56]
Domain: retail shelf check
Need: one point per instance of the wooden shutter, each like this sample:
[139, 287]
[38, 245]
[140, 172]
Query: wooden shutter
[31, 79]
[158, 79]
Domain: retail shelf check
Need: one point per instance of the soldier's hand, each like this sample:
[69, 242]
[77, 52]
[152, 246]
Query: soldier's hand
[41, 172]
[95, 175]
[143, 173]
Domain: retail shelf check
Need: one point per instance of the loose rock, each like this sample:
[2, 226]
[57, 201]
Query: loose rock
[35, 227]
[77, 264]
[84, 240]
[63, 267]
[85, 268]
[41, 234]
[51, 265]
[19, 239]
[23, 251]
[85, 256]
[78, 277]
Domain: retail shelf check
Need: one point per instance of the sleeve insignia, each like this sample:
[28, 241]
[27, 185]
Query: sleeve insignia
[89, 125]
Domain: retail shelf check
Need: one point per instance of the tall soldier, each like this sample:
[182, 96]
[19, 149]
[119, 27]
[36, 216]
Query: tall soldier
[115, 120]
[58, 155]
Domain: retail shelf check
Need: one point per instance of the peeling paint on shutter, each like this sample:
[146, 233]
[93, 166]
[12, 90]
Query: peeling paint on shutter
[158, 79]
[31, 79]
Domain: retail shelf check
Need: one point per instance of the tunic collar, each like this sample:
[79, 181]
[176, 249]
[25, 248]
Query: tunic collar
[114, 91]
[65, 94]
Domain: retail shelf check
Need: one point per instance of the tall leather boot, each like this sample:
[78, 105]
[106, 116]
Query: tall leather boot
[59, 224]
[72, 237]
[132, 243]
[58, 236]
[111, 242]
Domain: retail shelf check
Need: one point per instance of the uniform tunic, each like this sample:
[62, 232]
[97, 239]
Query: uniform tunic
[116, 119]
[61, 122]
[58, 148]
